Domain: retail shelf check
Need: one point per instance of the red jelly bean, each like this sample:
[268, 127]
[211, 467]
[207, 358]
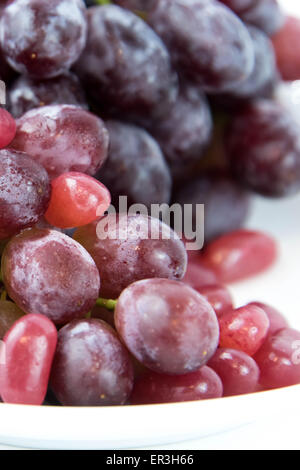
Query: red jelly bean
[7, 128]
[244, 329]
[218, 296]
[158, 388]
[240, 254]
[238, 371]
[28, 352]
[77, 199]
[277, 320]
[287, 49]
[279, 359]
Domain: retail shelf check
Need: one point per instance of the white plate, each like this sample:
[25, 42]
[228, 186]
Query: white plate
[144, 426]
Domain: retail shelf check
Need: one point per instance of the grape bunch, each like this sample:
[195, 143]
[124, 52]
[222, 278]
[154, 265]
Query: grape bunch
[163, 104]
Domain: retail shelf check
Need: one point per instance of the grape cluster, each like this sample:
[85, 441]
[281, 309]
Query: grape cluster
[162, 102]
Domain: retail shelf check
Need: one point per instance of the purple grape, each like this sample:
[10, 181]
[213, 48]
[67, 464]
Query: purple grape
[43, 39]
[186, 131]
[26, 93]
[63, 138]
[157, 388]
[135, 167]
[124, 251]
[207, 41]
[91, 367]
[47, 272]
[264, 14]
[125, 65]
[24, 192]
[263, 147]
[226, 204]
[167, 325]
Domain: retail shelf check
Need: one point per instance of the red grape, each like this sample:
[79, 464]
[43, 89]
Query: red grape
[43, 39]
[128, 248]
[207, 41]
[27, 93]
[47, 272]
[278, 359]
[167, 325]
[135, 166]
[7, 128]
[91, 367]
[76, 199]
[29, 348]
[238, 371]
[245, 329]
[277, 320]
[285, 43]
[63, 138]
[198, 274]
[24, 192]
[240, 254]
[218, 296]
[157, 388]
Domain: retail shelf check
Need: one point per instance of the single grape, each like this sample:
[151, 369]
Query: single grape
[218, 296]
[43, 39]
[7, 128]
[135, 166]
[240, 254]
[9, 314]
[167, 325]
[157, 388]
[47, 272]
[264, 14]
[27, 93]
[244, 328]
[207, 41]
[226, 203]
[125, 65]
[24, 192]
[197, 274]
[29, 350]
[278, 359]
[63, 138]
[276, 319]
[263, 148]
[286, 47]
[127, 248]
[186, 130]
[264, 77]
[238, 371]
[76, 199]
[91, 367]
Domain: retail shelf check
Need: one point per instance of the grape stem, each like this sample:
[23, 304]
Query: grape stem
[109, 304]
[103, 2]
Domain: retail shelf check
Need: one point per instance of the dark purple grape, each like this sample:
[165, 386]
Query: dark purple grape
[24, 192]
[137, 5]
[157, 388]
[47, 272]
[263, 148]
[207, 41]
[9, 314]
[125, 65]
[128, 248]
[91, 367]
[43, 39]
[186, 131]
[63, 138]
[264, 14]
[226, 204]
[135, 167]
[26, 93]
[262, 81]
[167, 325]
[238, 371]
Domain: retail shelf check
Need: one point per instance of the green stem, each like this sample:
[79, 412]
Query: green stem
[103, 2]
[109, 304]
[3, 296]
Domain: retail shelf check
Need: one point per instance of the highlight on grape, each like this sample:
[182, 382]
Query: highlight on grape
[186, 219]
